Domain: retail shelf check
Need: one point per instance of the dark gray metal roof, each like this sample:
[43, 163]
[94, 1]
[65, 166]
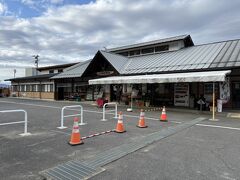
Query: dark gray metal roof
[229, 55]
[176, 38]
[56, 66]
[207, 56]
[211, 56]
[41, 76]
[73, 71]
[117, 61]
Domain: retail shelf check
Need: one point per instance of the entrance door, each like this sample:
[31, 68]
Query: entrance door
[236, 95]
[116, 92]
[60, 93]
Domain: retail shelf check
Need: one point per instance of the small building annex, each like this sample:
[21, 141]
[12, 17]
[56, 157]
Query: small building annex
[171, 71]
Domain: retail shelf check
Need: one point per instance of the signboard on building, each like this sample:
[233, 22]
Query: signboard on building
[104, 73]
[181, 94]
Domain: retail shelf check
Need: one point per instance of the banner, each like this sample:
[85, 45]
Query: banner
[224, 88]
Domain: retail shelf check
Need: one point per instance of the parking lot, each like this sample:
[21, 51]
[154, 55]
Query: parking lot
[207, 150]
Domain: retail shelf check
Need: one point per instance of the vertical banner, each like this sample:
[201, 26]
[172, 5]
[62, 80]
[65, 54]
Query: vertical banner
[224, 88]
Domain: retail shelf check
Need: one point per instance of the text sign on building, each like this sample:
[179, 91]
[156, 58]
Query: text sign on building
[105, 73]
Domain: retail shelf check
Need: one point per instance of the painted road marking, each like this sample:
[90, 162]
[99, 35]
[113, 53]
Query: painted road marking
[99, 112]
[214, 126]
[177, 122]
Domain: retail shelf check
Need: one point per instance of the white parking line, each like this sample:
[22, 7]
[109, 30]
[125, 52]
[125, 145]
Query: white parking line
[214, 126]
[32, 104]
[99, 112]
[177, 122]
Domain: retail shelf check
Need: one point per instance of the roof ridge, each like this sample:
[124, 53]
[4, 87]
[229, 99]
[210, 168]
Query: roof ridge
[152, 41]
[76, 65]
[215, 42]
[114, 53]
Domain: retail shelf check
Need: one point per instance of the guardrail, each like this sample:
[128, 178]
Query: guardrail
[104, 110]
[18, 122]
[71, 115]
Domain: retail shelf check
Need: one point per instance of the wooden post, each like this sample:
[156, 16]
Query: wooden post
[213, 116]
[213, 108]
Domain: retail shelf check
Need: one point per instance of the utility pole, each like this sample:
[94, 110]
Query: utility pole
[14, 73]
[36, 62]
[36, 59]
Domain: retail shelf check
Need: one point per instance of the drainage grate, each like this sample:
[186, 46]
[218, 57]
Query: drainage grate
[76, 170]
[72, 170]
[120, 151]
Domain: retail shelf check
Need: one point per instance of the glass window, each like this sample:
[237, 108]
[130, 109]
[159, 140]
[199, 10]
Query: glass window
[43, 87]
[134, 52]
[60, 70]
[34, 87]
[27, 88]
[124, 53]
[51, 71]
[161, 48]
[22, 88]
[15, 88]
[147, 50]
[51, 87]
[38, 87]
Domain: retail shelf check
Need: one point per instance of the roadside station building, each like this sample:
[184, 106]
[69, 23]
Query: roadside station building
[37, 84]
[171, 71]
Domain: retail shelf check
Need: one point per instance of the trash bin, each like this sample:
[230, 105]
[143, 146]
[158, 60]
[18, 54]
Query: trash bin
[219, 105]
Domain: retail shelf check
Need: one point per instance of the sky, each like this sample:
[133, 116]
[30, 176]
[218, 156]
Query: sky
[66, 31]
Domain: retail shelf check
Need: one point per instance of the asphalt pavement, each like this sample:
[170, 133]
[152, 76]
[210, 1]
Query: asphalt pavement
[209, 150]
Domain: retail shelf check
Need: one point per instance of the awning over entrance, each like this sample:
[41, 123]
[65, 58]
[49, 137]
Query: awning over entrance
[207, 76]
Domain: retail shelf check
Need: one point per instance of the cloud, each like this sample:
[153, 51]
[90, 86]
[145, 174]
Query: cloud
[3, 8]
[56, 1]
[69, 33]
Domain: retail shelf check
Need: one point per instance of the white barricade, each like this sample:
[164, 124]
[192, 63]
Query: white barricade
[104, 110]
[70, 108]
[18, 122]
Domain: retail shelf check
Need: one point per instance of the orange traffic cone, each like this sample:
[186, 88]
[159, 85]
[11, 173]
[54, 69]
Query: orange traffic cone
[120, 127]
[163, 115]
[75, 137]
[141, 122]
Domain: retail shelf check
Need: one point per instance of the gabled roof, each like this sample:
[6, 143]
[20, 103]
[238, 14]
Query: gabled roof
[159, 41]
[73, 71]
[116, 60]
[212, 56]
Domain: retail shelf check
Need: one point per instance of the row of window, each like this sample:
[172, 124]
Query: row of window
[33, 88]
[52, 71]
[146, 50]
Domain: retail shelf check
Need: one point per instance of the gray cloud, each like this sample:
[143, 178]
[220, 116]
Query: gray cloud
[71, 33]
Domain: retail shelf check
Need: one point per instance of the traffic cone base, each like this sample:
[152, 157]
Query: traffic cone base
[142, 126]
[120, 127]
[74, 144]
[163, 116]
[141, 122]
[75, 136]
[120, 131]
